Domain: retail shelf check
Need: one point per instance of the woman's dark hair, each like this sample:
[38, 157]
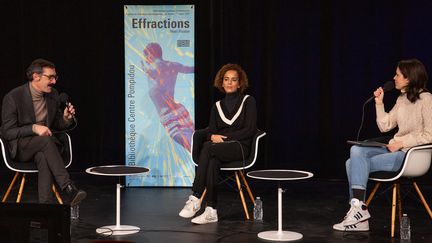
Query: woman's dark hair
[415, 72]
[243, 79]
[37, 67]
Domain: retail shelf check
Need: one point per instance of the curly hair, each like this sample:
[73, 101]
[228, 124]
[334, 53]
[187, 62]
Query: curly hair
[243, 79]
[415, 72]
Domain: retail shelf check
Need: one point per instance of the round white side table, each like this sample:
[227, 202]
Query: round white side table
[279, 175]
[117, 170]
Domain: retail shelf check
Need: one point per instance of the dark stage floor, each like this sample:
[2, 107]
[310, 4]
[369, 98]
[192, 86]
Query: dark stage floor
[310, 207]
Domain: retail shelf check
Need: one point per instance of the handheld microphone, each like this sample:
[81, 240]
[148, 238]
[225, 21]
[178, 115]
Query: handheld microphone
[389, 85]
[64, 100]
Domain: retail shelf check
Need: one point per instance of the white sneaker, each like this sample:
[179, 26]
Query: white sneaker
[357, 213]
[209, 216]
[360, 226]
[193, 205]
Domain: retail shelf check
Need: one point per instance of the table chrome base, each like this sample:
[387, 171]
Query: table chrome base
[117, 230]
[275, 235]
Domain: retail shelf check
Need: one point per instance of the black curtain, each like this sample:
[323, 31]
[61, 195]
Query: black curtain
[311, 65]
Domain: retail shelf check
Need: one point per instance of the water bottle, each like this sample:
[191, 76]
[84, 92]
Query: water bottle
[405, 228]
[258, 210]
[74, 212]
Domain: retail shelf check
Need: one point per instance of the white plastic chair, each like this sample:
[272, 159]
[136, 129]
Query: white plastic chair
[238, 167]
[23, 168]
[416, 163]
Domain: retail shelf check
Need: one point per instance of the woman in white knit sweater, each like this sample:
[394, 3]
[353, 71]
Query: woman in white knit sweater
[412, 114]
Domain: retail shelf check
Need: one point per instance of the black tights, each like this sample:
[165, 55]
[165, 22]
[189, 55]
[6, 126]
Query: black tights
[210, 159]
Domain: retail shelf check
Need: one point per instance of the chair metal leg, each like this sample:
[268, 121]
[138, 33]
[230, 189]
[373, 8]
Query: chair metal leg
[393, 212]
[21, 188]
[422, 199]
[6, 195]
[247, 186]
[372, 194]
[241, 195]
[59, 199]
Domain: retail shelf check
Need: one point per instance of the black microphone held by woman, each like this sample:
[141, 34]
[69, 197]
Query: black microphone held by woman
[388, 86]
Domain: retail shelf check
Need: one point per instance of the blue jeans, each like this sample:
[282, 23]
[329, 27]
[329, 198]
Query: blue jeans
[364, 160]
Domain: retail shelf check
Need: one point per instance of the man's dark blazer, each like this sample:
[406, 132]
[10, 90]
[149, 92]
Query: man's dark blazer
[18, 115]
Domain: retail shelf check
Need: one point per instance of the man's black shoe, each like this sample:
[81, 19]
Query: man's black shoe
[75, 195]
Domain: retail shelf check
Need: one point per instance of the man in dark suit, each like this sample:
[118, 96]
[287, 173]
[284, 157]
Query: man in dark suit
[30, 115]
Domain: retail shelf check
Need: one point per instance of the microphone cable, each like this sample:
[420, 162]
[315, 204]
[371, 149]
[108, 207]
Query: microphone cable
[75, 121]
[362, 119]
[389, 85]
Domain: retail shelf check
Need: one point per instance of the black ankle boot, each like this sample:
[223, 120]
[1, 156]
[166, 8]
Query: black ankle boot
[75, 195]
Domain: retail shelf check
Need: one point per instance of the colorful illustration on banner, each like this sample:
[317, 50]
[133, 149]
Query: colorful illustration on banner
[162, 77]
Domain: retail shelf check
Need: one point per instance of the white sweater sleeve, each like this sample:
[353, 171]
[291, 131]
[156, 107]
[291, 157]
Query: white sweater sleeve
[386, 121]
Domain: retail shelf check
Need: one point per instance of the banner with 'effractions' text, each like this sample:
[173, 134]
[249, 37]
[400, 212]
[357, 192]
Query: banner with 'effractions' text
[159, 93]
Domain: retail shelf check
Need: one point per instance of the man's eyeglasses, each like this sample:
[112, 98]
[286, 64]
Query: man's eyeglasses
[51, 77]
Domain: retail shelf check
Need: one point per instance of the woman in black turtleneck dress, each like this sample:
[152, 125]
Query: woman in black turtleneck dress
[232, 126]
